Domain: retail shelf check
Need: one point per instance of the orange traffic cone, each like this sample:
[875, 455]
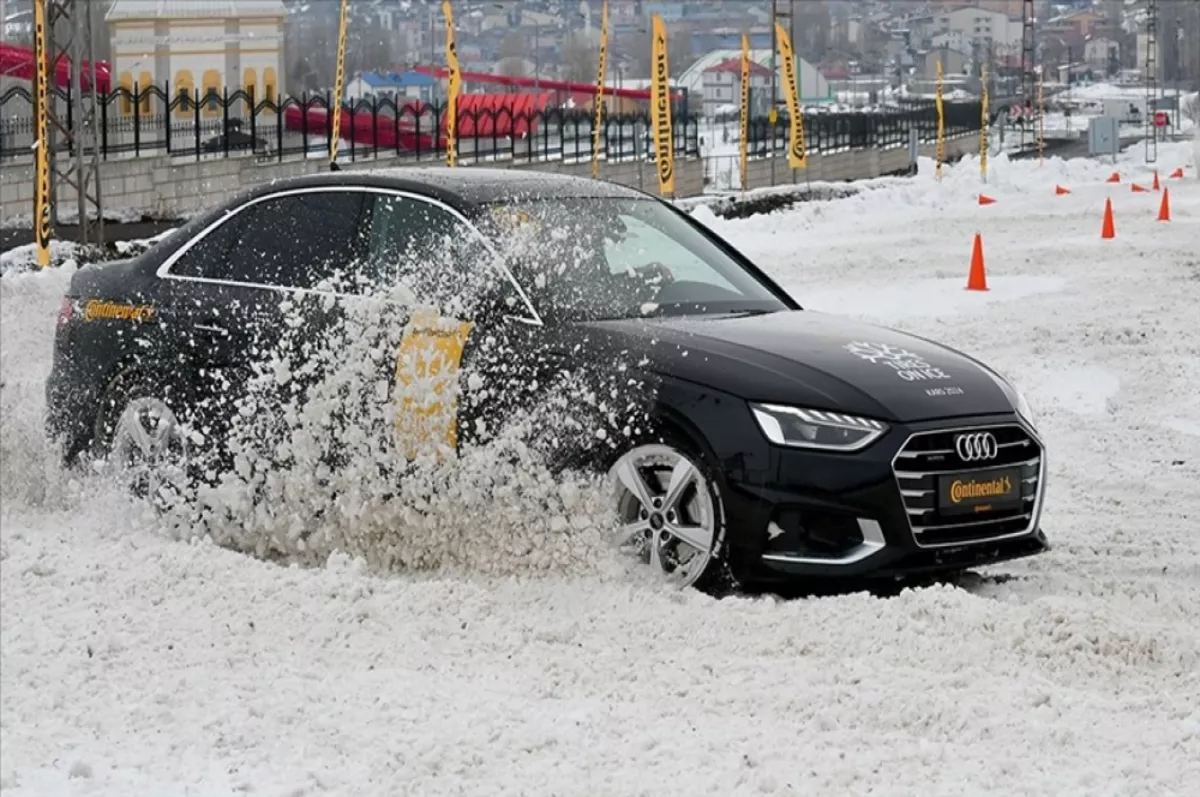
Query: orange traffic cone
[1157, 185]
[984, 199]
[1115, 178]
[1164, 209]
[977, 279]
[1060, 191]
[1109, 229]
[1137, 189]
[1177, 174]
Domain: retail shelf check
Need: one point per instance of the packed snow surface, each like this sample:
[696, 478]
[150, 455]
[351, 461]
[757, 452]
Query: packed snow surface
[133, 663]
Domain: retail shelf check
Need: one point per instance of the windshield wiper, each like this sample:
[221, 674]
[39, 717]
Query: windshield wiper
[747, 312]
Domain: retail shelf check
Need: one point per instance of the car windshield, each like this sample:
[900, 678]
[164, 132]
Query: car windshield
[598, 259]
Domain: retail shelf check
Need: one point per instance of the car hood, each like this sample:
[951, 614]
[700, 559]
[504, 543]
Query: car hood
[815, 360]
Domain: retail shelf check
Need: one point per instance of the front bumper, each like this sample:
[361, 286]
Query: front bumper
[813, 514]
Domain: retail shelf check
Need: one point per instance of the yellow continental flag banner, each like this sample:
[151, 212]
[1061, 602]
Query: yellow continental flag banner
[983, 123]
[41, 154]
[745, 144]
[454, 87]
[660, 108]
[339, 83]
[797, 153]
[600, 92]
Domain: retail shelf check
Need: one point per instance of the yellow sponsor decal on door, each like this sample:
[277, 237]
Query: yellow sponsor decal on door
[427, 367]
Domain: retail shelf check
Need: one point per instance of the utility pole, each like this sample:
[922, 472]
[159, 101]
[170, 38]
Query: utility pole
[774, 49]
[1028, 59]
[1151, 79]
[69, 39]
[1070, 84]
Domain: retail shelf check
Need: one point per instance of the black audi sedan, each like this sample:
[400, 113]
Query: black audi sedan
[777, 445]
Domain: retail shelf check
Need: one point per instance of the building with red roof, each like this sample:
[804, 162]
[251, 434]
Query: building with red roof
[721, 85]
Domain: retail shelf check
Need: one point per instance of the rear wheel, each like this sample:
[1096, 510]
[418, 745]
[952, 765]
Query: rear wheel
[143, 440]
[671, 515]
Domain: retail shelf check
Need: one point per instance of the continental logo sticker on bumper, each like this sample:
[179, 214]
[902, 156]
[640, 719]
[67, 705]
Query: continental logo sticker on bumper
[96, 310]
[968, 489]
[986, 491]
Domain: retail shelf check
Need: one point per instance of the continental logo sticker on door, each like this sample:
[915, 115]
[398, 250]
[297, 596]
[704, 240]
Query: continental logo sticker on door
[97, 310]
[427, 367]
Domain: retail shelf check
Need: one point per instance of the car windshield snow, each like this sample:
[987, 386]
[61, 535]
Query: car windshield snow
[600, 259]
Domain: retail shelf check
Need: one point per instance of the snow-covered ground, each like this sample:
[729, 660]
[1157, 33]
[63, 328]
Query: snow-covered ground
[132, 664]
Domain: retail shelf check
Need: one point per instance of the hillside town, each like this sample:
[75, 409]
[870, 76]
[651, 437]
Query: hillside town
[849, 50]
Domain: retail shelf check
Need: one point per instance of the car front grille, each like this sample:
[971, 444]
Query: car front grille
[927, 455]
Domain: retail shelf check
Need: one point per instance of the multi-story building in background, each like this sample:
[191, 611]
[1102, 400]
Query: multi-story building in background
[721, 86]
[190, 46]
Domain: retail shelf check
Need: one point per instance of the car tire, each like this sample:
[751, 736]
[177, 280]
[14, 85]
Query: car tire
[140, 434]
[667, 497]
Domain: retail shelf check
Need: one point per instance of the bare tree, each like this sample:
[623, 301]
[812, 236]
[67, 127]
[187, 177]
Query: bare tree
[514, 46]
[580, 59]
[311, 51]
[1190, 109]
[513, 66]
[810, 29]
[101, 39]
[372, 49]
[679, 52]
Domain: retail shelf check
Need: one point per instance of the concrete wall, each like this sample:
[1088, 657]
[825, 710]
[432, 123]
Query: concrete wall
[162, 188]
[171, 187]
[834, 167]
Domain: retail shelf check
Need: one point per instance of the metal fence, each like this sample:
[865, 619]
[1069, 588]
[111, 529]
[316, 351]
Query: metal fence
[832, 133]
[154, 121]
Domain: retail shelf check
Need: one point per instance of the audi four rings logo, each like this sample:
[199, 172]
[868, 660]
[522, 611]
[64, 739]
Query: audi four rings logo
[977, 446]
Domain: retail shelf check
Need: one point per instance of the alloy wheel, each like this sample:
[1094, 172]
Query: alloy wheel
[666, 510]
[150, 450]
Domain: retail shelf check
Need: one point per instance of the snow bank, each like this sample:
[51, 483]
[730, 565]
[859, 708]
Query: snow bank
[24, 257]
[29, 470]
[68, 253]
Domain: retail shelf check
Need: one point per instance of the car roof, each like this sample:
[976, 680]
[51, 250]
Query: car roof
[464, 186]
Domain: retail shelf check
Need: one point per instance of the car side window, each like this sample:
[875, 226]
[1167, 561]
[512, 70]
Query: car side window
[429, 251]
[300, 240]
[207, 258]
[307, 240]
[643, 244]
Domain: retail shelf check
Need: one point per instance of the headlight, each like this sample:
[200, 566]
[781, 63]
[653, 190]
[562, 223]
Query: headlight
[1014, 395]
[831, 431]
[1023, 407]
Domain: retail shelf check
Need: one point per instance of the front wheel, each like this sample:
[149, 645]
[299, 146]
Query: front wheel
[670, 514]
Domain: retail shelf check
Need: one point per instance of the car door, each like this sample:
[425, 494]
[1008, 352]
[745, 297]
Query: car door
[258, 284]
[463, 315]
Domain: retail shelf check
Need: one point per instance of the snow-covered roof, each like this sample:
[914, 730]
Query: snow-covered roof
[812, 83]
[175, 9]
[397, 79]
[735, 65]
